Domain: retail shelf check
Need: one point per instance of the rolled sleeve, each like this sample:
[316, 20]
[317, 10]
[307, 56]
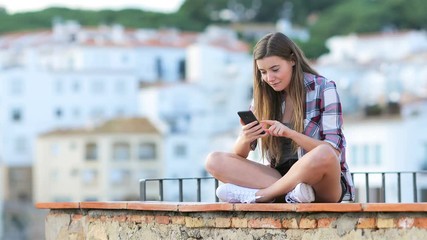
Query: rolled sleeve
[332, 120]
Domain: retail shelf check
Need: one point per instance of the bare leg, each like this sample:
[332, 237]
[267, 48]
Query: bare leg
[319, 168]
[231, 168]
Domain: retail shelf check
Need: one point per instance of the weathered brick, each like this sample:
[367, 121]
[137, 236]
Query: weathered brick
[179, 220]
[222, 222]
[420, 222]
[290, 223]
[367, 223]
[405, 222]
[239, 222]
[325, 222]
[162, 219]
[264, 223]
[208, 222]
[149, 219]
[386, 223]
[120, 218]
[194, 222]
[307, 223]
[137, 218]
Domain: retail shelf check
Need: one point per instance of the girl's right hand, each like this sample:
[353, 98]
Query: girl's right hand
[252, 131]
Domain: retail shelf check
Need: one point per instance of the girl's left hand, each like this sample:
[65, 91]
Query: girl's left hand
[276, 128]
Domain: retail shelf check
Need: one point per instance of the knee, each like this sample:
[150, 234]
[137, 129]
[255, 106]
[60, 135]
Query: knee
[213, 162]
[326, 157]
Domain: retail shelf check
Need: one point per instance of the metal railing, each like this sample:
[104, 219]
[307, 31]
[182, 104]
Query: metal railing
[404, 186]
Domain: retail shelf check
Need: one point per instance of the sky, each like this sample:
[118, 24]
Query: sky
[166, 6]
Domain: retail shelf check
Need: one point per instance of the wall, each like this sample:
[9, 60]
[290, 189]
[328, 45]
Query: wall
[151, 220]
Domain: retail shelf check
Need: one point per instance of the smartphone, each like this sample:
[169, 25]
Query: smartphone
[248, 117]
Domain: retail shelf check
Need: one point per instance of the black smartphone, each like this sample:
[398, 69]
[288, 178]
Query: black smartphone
[248, 117]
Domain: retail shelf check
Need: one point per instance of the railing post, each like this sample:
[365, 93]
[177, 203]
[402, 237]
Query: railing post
[367, 186]
[181, 195]
[142, 190]
[399, 190]
[161, 189]
[216, 186]
[414, 180]
[199, 190]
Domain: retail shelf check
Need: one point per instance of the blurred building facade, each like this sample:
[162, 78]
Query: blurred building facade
[103, 163]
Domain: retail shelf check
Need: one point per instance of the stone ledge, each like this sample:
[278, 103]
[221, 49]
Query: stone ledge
[258, 207]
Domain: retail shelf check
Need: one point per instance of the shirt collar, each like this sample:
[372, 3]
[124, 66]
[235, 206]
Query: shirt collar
[309, 81]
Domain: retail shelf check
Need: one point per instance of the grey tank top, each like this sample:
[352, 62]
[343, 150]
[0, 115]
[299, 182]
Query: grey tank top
[286, 146]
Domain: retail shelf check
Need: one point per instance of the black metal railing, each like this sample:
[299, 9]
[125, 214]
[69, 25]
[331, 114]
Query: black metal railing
[370, 187]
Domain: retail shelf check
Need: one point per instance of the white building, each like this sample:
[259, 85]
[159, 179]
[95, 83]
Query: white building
[389, 144]
[219, 84]
[376, 68]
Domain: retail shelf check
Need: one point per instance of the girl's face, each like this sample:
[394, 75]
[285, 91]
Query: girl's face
[276, 72]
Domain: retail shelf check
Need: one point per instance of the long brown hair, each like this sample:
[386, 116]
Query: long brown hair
[267, 102]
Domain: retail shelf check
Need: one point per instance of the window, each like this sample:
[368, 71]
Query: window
[121, 151]
[181, 69]
[91, 152]
[89, 177]
[16, 115]
[58, 113]
[147, 151]
[159, 68]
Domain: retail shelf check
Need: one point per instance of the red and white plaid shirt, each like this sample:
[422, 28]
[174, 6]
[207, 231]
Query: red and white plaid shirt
[323, 120]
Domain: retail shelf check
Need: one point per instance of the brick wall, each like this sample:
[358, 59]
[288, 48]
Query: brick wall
[145, 220]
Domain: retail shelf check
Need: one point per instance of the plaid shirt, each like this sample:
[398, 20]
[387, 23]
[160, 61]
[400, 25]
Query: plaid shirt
[323, 120]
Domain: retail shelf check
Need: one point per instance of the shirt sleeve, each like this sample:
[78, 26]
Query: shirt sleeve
[332, 119]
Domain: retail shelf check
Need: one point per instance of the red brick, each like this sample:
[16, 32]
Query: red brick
[290, 223]
[394, 207]
[420, 222]
[325, 222]
[153, 206]
[264, 223]
[307, 223]
[204, 207]
[328, 207]
[103, 205]
[367, 223]
[136, 218]
[162, 219]
[149, 219]
[57, 205]
[265, 207]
